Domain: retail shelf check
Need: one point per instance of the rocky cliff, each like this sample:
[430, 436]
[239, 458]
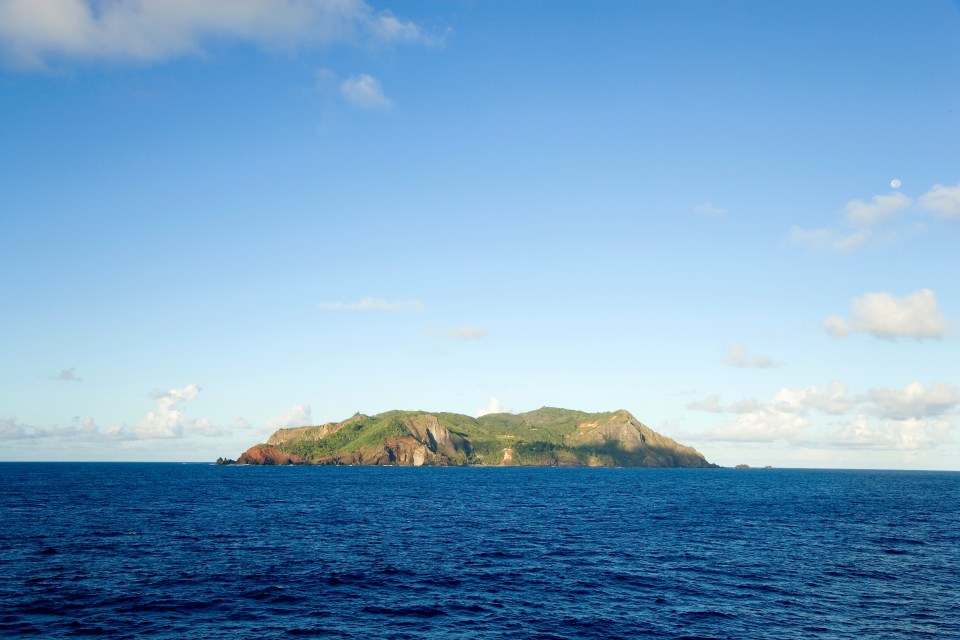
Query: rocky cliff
[546, 437]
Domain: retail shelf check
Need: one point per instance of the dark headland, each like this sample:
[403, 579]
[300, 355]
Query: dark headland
[545, 437]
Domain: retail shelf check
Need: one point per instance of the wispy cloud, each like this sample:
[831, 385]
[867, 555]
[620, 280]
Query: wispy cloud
[826, 238]
[865, 222]
[68, 375]
[466, 333]
[859, 218]
[35, 33]
[364, 91]
[711, 403]
[374, 304]
[708, 209]
[864, 215]
[890, 317]
[739, 356]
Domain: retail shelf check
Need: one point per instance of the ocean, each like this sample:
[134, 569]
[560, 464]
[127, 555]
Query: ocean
[199, 551]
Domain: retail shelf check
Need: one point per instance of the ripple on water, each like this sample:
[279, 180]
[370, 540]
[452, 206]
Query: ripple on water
[218, 552]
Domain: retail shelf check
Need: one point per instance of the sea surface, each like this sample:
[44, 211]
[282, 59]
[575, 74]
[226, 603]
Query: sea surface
[199, 551]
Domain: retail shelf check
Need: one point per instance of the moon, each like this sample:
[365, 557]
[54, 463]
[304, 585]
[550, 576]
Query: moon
[895, 183]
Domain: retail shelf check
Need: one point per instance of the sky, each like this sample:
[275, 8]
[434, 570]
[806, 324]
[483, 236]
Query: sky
[737, 220]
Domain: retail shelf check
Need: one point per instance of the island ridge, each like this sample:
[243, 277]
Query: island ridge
[545, 437]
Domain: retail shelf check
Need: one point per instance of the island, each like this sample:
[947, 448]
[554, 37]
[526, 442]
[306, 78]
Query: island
[545, 437]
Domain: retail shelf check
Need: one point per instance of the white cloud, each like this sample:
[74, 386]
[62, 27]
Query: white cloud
[944, 201]
[374, 304]
[881, 208]
[493, 406]
[169, 419]
[834, 400]
[739, 356]
[909, 434]
[364, 91]
[886, 316]
[762, 425]
[68, 375]
[34, 33]
[466, 333]
[914, 401]
[10, 429]
[914, 417]
[708, 209]
[297, 416]
[859, 216]
[785, 417]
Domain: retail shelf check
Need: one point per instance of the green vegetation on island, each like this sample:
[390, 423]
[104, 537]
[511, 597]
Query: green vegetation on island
[545, 437]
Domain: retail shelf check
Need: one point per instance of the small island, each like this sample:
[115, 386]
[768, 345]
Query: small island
[545, 437]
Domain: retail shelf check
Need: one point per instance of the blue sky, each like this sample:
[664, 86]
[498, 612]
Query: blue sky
[736, 220]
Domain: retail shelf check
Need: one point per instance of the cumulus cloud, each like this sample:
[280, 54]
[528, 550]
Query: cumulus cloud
[914, 417]
[762, 425]
[739, 356]
[299, 415]
[708, 209]
[886, 316]
[944, 201]
[835, 399]
[34, 33]
[914, 401]
[169, 418]
[364, 91]
[493, 406]
[10, 429]
[785, 417]
[908, 434]
[68, 375]
[374, 304]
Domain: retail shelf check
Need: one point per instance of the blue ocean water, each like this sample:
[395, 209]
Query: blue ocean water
[199, 551]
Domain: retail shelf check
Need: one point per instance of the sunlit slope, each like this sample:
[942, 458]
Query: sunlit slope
[545, 437]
